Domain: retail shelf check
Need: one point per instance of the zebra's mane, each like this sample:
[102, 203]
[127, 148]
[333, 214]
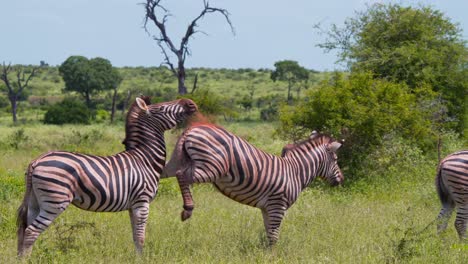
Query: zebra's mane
[131, 118]
[315, 140]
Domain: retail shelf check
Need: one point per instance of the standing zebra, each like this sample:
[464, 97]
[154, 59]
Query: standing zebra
[208, 153]
[452, 188]
[125, 181]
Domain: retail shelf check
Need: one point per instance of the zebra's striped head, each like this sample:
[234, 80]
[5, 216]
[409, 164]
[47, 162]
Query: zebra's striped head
[321, 148]
[168, 114]
[156, 118]
[331, 172]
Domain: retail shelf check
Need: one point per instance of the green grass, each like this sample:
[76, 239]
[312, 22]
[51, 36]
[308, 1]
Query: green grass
[386, 220]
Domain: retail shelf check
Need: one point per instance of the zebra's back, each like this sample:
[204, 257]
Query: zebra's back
[238, 169]
[94, 183]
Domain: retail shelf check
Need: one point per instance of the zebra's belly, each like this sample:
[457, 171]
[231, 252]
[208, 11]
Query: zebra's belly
[101, 204]
[243, 194]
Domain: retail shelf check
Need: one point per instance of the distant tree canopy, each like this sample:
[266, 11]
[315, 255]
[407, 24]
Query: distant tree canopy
[291, 72]
[414, 45]
[87, 77]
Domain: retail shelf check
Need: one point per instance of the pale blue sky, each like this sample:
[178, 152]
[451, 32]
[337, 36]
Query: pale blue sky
[266, 31]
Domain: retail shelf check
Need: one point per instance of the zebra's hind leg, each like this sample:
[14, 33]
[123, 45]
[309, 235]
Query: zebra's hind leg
[461, 221]
[138, 218]
[27, 212]
[444, 216]
[38, 221]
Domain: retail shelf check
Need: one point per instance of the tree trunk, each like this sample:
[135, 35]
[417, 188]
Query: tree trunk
[181, 78]
[289, 92]
[14, 106]
[194, 84]
[114, 98]
[126, 101]
[88, 100]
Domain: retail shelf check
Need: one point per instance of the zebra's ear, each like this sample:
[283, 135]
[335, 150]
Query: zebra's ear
[334, 146]
[142, 104]
[313, 134]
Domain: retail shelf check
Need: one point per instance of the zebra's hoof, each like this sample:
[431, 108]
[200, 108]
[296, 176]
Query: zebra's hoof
[186, 214]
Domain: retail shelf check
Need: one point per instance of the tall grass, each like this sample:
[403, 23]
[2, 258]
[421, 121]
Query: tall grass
[384, 217]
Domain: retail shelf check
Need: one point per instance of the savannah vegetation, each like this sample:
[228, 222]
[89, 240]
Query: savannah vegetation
[396, 123]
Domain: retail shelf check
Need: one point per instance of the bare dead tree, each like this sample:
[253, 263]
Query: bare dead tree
[165, 42]
[14, 89]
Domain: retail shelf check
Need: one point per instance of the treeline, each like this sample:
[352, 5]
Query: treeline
[232, 94]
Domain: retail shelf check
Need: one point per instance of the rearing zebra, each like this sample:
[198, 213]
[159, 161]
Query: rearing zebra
[125, 181]
[452, 188]
[208, 153]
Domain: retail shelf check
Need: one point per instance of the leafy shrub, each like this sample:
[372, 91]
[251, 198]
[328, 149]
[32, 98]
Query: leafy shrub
[4, 101]
[80, 138]
[208, 102]
[102, 115]
[69, 111]
[246, 102]
[17, 138]
[362, 110]
[269, 114]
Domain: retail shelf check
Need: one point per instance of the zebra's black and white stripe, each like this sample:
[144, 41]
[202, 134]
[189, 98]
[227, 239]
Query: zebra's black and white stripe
[208, 153]
[125, 181]
[452, 188]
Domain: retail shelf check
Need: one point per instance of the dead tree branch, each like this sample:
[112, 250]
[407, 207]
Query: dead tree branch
[166, 43]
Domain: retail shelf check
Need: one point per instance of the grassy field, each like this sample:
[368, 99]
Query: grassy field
[384, 220]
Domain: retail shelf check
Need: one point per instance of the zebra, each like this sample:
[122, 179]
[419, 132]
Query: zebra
[125, 181]
[452, 187]
[209, 153]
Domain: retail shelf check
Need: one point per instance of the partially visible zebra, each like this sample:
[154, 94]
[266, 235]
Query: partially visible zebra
[125, 181]
[452, 188]
[208, 153]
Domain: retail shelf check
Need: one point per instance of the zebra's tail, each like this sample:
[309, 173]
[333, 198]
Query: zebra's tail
[22, 218]
[444, 194]
[177, 158]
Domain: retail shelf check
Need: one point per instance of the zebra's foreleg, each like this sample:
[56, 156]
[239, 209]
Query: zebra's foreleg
[272, 217]
[139, 218]
[184, 184]
[461, 221]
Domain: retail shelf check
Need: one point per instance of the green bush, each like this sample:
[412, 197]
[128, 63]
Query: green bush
[102, 115]
[269, 114]
[69, 111]
[211, 103]
[362, 110]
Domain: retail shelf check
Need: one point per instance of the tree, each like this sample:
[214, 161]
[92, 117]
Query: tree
[16, 89]
[165, 42]
[87, 77]
[417, 46]
[291, 72]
